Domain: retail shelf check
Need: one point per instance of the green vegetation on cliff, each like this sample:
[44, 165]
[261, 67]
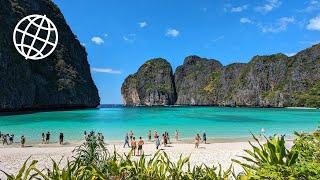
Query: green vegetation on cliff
[265, 81]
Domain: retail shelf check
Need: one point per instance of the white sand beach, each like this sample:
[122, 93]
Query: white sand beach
[12, 158]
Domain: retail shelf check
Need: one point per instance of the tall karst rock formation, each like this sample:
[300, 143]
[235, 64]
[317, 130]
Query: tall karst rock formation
[62, 80]
[265, 81]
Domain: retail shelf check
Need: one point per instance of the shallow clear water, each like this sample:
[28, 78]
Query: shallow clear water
[114, 122]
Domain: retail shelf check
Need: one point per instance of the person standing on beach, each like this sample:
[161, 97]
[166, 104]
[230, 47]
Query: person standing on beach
[23, 140]
[149, 135]
[48, 137]
[5, 139]
[176, 135]
[204, 137]
[155, 135]
[134, 145]
[165, 139]
[61, 138]
[140, 143]
[126, 141]
[43, 138]
[197, 141]
[157, 140]
[168, 137]
[11, 138]
[131, 135]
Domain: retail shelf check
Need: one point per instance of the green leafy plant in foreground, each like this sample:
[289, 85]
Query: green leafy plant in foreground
[269, 160]
[272, 160]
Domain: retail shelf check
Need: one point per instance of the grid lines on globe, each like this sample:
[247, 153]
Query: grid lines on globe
[37, 37]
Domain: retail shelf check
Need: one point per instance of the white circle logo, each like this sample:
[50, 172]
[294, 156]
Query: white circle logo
[35, 37]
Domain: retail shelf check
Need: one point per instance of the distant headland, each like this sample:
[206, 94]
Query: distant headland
[266, 81]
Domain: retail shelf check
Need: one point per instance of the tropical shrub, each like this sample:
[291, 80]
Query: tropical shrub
[269, 160]
[273, 160]
[93, 161]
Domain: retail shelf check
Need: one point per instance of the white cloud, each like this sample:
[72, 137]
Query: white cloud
[314, 24]
[218, 38]
[129, 38]
[97, 40]
[105, 70]
[281, 25]
[313, 5]
[143, 24]
[239, 8]
[291, 54]
[172, 32]
[83, 44]
[245, 20]
[269, 6]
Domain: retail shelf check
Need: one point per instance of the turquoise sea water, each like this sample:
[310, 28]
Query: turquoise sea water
[114, 122]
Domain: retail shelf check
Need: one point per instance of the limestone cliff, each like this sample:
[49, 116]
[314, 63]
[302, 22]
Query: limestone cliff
[196, 81]
[152, 85]
[265, 81]
[62, 80]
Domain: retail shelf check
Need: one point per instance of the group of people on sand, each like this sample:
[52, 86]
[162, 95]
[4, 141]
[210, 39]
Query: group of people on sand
[197, 139]
[45, 139]
[9, 139]
[87, 136]
[130, 141]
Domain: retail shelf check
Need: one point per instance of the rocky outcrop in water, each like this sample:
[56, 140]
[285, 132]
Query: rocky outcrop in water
[196, 81]
[266, 81]
[152, 85]
[62, 80]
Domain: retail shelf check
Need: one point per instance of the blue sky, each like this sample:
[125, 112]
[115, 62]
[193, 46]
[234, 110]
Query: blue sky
[120, 36]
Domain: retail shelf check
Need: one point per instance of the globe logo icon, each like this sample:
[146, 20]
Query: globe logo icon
[35, 37]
